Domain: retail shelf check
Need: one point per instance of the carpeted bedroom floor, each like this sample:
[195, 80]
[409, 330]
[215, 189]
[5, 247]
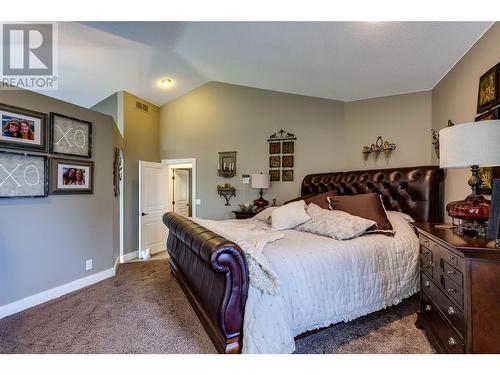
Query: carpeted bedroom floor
[143, 310]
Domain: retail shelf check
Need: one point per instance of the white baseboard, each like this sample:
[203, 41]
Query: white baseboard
[129, 256]
[47, 295]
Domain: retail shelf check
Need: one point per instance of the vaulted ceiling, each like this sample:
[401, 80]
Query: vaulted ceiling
[336, 60]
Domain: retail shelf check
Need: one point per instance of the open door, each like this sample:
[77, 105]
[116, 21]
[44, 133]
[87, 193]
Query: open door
[153, 203]
[181, 192]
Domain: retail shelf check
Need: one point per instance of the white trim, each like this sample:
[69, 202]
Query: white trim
[122, 203]
[129, 256]
[192, 161]
[56, 292]
[117, 263]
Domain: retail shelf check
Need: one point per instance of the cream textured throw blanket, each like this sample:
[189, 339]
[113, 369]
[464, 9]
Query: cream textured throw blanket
[252, 242]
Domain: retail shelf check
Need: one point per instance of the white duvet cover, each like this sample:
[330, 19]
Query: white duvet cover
[325, 281]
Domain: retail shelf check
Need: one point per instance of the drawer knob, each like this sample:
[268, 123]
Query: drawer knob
[452, 341]
[450, 272]
[451, 311]
[428, 307]
[451, 290]
[427, 284]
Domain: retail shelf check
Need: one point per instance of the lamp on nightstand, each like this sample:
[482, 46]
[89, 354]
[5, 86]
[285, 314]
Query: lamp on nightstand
[470, 145]
[261, 181]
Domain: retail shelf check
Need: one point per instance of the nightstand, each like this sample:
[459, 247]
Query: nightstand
[244, 214]
[459, 290]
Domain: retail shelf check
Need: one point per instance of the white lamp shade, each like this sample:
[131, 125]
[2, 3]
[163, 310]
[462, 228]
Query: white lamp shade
[473, 143]
[261, 181]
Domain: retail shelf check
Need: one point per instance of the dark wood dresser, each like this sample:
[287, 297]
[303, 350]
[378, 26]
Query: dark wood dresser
[459, 290]
[244, 214]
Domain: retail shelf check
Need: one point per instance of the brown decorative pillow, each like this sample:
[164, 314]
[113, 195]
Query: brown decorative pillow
[301, 198]
[321, 199]
[368, 206]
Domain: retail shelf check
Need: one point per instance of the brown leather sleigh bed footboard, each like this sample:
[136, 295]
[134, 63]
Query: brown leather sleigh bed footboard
[212, 270]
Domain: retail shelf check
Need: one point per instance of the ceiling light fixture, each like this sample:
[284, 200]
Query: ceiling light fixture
[166, 83]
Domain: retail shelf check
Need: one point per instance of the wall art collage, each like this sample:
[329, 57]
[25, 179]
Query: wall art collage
[44, 154]
[281, 155]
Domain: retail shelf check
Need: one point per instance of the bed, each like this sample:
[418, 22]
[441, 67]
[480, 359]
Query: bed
[369, 274]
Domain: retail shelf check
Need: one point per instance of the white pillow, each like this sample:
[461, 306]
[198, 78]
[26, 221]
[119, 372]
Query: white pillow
[336, 224]
[289, 216]
[265, 215]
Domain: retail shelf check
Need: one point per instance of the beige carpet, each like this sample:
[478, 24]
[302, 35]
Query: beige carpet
[143, 310]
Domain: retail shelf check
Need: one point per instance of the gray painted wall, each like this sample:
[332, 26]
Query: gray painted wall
[44, 242]
[140, 142]
[220, 117]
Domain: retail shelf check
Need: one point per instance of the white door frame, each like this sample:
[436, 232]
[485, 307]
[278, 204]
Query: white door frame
[192, 161]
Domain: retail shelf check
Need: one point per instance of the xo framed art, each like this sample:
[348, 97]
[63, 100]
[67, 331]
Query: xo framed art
[70, 136]
[23, 176]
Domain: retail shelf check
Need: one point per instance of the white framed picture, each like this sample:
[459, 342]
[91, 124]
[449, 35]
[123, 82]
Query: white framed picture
[69, 176]
[23, 129]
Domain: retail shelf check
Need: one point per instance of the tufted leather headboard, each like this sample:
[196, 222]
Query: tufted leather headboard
[413, 190]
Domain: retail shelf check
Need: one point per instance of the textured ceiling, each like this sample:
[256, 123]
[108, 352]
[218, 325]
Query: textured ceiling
[336, 60]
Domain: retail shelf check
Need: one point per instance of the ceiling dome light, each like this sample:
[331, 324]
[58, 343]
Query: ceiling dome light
[166, 83]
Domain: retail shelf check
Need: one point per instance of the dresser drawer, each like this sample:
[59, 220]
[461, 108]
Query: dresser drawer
[453, 274]
[442, 329]
[453, 291]
[424, 241]
[451, 311]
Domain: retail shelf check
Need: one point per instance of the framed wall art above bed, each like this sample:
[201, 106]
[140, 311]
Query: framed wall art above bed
[23, 129]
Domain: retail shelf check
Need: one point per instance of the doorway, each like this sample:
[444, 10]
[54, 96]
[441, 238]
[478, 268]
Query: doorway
[181, 191]
[182, 187]
[159, 183]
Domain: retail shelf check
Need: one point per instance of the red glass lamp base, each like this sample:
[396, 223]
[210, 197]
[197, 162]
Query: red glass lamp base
[474, 209]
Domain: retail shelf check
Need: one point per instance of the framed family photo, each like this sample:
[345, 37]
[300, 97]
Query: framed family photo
[69, 176]
[23, 176]
[23, 129]
[70, 136]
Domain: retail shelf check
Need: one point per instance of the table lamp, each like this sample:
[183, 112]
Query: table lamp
[474, 145]
[261, 181]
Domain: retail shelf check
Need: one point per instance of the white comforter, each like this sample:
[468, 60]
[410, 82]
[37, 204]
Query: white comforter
[325, 281]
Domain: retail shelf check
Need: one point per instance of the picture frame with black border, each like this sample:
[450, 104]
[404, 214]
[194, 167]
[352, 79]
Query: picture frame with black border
[35, 123]
[492, 114]
[71, 176]
[18, 180]
[287, 175]
[488, 89]
[68, 141]
[275, 174]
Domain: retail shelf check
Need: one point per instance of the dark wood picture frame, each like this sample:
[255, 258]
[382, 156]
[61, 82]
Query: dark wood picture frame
[492, 114]
[53, 117]
[45, 175]
[493, 172]
[275, 174]
[275, 161]
[274, 148]
[492, 74]
[287, 175]
[288, 147]
[42, 147]
[54, 175]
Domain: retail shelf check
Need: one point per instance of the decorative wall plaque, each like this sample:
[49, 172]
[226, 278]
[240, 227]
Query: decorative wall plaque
[281, 149]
